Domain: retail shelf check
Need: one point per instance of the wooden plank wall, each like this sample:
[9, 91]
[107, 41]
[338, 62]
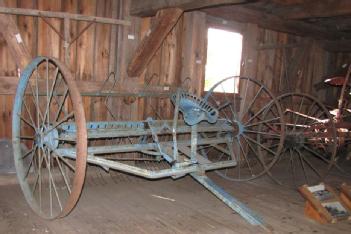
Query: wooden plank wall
[89, 56]
[283, 62]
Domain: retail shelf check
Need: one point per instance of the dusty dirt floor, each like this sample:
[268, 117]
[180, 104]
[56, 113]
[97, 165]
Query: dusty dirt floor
[124, 204]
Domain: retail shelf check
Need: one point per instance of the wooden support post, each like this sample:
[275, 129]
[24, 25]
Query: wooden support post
[14, 41]
[194, 46]
[67, 39]
[164, 23]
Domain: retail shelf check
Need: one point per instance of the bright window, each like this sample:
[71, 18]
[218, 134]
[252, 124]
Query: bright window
[223, 58]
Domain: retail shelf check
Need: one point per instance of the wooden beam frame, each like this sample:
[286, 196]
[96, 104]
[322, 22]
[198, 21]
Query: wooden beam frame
[8, 86]
[317, 9]
[274, 22]
[62, 15]
[149, 8]
[164, 23]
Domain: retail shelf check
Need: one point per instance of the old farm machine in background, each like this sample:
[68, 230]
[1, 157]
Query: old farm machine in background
[229, 133]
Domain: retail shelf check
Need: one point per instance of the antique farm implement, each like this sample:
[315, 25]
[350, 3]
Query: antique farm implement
[314, 134]
[226, 132]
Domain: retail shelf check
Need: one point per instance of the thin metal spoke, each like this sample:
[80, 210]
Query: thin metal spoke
[27, 122]
[61, 104]
[30, 164]
[264, 121]
[309, 164]
[53, 184]
[49, 98]
[244, 102]
[67, 163]
[297, 116]
[226, 97]
[316, 154]
[64, 119]
[257, 113]
[30, 116]
[26, 137]
[251, 103]
[263, 133]
[63, 174]
[256, 142]
[302, 166]
[245, 156]
[292, 165]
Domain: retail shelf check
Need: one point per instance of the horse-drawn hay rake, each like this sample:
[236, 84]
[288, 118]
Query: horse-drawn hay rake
[229, 133]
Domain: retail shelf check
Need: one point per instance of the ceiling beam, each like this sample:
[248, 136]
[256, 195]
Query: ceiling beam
[317, 9]
[145, 8]
[274, 22]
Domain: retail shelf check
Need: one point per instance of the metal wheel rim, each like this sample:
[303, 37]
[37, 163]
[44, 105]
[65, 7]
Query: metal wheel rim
[279, 136]
[81, 137]
[331, 128]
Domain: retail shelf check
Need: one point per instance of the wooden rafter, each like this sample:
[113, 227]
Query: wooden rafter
[164, 23]
[317, 9]
[274, 22]
[149, 8]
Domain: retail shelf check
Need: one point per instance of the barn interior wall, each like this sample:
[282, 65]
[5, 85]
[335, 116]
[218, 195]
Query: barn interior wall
[283, 62]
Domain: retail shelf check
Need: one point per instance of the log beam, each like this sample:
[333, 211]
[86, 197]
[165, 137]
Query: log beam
[165, 21]
[317, 9]
[149, 8]
[274, 22]
[8, 86]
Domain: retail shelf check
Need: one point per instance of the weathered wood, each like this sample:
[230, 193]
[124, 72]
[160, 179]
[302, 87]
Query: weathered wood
[273, 22]
[149, 8]
[153, 40]
[11, 34]
[62, 15]
[317, 9]
[194, 51]
[8, 86]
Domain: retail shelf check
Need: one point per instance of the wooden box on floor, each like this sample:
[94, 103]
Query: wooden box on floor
[323, 204]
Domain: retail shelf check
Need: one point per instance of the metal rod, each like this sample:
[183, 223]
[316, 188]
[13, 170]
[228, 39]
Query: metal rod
[232, 202]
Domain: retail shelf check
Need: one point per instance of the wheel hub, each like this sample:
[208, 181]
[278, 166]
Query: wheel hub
[295, 140]
[47, 138]
[238, 128]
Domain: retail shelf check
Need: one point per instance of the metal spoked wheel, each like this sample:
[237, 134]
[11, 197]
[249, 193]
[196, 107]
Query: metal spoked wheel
[310, 144]
[47, 97]
[257, 135]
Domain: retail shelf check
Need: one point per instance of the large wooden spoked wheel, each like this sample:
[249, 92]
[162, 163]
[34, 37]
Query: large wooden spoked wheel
[257, 135]
[47, 97]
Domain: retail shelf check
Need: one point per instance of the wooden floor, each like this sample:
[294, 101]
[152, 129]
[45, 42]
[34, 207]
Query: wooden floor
[128, 205]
